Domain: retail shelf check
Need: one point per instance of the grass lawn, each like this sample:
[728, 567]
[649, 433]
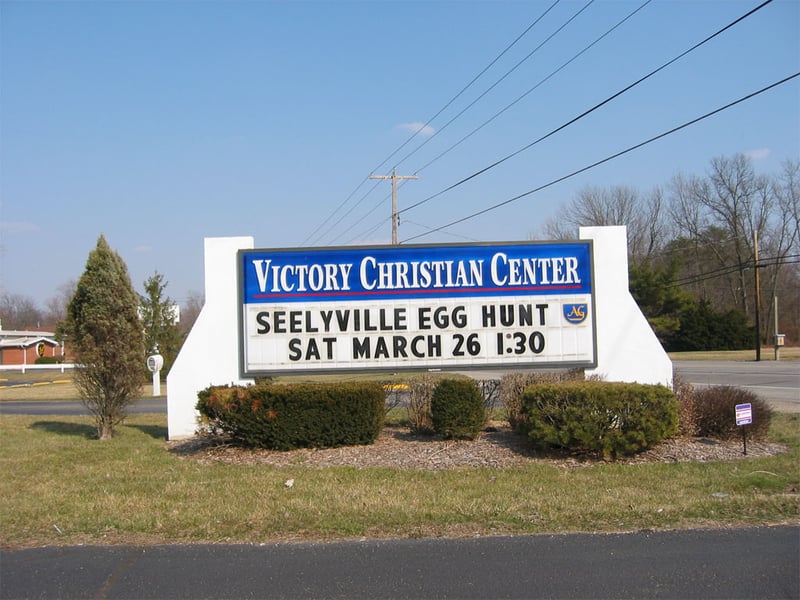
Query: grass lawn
[61, 486]
[48, 385]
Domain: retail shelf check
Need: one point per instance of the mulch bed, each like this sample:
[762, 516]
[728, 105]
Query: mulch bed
[497, 447]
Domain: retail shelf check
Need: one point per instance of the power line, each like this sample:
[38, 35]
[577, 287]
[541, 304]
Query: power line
[728, 269]
[428, 122]
[503, 110]
[609, 158]
[450, 233]
[591, 110]
[474, 79]
[496, 83]
[352, 208]
[530, 90]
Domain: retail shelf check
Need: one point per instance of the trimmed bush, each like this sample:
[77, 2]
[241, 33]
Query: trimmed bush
[715, 412]
[457, 409]
[606, 419]
[48, 360]
[285, 417]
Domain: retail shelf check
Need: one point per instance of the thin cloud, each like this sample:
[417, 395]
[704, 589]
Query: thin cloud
[757, 154]
[14, 227]
[143, 249]
[418, 128]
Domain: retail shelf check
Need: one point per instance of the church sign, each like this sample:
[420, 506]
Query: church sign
[392, 308]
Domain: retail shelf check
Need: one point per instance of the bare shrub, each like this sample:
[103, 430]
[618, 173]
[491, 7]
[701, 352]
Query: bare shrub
[420, 392]
[715, 410]
[687, 411]
[394, 397]
[490, 389]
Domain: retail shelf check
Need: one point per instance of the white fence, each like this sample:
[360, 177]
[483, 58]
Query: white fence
[23, 368]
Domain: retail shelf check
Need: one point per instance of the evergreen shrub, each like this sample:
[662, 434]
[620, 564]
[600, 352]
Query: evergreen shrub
[285, 417]
[703, 328]
[715, 412]
[513, 386]
[457, 409]
[48, 360]
[607, 419]
[105, 333]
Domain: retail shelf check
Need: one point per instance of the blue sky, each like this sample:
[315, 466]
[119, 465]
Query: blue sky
[158, 124]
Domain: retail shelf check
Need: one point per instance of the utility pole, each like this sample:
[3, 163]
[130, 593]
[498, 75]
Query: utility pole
[777, 339]
[758, 297]
[395, 215]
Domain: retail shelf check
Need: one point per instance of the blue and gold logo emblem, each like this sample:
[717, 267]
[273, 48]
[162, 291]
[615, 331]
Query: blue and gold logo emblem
[576, 313]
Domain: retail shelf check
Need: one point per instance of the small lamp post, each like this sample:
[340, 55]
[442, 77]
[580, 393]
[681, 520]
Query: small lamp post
[154, 362]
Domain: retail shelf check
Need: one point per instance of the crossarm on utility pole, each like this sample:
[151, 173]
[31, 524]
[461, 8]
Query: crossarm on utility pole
[395, 215]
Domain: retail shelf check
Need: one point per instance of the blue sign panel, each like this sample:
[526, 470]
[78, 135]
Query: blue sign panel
[391, 272]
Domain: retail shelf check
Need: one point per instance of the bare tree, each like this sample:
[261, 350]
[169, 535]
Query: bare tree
[782, 250]
[710, 224]
[722, 217]
[190, 311]
[56, 306]
[787, 190]
[19, 312]
[618, 205]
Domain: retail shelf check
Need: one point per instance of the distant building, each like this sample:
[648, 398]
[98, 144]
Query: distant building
[24, 347]
[176, 313]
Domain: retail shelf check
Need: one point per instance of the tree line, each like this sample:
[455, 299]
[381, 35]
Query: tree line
[157, 311]
[705, 254]
[693, 246]
[708, 255]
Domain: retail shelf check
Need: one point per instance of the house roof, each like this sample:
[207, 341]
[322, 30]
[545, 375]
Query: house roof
[4, 333]
[25, 341]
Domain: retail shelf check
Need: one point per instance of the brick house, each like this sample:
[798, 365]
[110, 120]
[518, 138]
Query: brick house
[24, 347]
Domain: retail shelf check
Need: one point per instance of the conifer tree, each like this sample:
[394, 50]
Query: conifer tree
[105, 332]
[158, 313]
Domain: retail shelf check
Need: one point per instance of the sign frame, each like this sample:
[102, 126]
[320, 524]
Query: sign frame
[442, 294]
[744, 414]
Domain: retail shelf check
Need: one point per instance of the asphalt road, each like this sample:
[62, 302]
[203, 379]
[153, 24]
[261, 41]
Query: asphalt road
[747, 563]
[73, 407]
[776, 382]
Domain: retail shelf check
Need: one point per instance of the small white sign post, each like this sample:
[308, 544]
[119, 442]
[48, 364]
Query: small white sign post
[154, 363]
[744, 416]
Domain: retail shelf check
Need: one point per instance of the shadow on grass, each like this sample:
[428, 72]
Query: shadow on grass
[62, 428]
[158, 432]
